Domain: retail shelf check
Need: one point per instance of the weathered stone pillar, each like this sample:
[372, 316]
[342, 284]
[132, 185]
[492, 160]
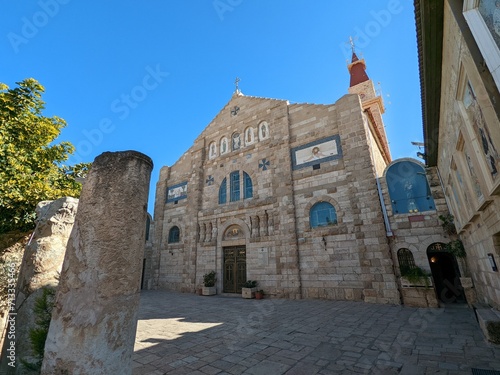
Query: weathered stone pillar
[95, 316]
[40, 268]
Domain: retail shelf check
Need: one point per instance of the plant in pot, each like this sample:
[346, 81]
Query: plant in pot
[259, 294]
[209, 280]
[248, 289]
[415, 276]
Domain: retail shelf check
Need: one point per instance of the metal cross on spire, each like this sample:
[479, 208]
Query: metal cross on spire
[351, 42]
[236, 81]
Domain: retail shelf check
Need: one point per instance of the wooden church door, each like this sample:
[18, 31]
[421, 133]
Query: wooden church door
[235, 268]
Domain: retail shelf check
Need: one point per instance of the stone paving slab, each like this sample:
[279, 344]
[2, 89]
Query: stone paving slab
[189, 334]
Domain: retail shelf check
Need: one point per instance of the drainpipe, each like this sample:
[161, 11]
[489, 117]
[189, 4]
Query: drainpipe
[384, 211]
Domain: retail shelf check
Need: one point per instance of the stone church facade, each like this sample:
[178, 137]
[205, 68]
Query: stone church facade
[290, 195]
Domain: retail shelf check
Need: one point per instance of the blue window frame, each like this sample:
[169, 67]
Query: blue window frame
[247, 186]
[322, 214]
[408, 188]
[234, 179]
[174, 235]
[223, 192]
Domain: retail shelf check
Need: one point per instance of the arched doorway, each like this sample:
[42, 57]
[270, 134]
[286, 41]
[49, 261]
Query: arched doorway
[234, 259]
[446, 274]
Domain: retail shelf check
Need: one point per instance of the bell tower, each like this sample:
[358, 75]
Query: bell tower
[371, 102]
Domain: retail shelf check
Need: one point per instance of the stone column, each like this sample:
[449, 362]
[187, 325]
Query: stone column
[40, 268]
[95, 316]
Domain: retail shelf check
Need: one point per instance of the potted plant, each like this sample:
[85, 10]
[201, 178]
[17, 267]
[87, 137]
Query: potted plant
[209, 280]
[259, 294]
[414, 277]
[248, 289]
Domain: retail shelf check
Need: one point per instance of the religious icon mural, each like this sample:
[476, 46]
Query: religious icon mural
[408, 188]
[223, 145]
[490, 12]
[263, 130]
[473, 177]
[475, 115]
[322, 150]
[177, 192]
[236, 141]
[249, 136]
[212, 153]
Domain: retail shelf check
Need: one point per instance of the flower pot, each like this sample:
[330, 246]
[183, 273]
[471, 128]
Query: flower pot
[248, 292]
[209, 290]
[259, 295]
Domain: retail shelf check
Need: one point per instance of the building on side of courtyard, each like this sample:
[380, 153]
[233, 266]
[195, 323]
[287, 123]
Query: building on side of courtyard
[305, 199]
[284, 194]
[459, 53]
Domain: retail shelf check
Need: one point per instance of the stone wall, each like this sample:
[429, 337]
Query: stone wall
[94, 319]
[40, 269]
[464, 157]
[287, 257]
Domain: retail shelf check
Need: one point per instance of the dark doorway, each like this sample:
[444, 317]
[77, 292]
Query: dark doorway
[235, 268]
[446, 274]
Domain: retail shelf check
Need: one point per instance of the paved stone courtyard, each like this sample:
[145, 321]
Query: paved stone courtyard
[190, 334]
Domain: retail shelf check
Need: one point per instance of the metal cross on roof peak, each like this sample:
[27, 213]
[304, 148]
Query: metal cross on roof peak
[351, 42]
[236, 81]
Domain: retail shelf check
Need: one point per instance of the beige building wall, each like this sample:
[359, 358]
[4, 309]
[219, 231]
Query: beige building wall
[468, 158]
[348, 260]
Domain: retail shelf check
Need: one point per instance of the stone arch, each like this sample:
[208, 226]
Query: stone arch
[400, 160]
[435, 238]
[445, 273]
[234, 221]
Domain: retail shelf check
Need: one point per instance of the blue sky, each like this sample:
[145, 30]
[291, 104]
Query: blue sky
[150, 75]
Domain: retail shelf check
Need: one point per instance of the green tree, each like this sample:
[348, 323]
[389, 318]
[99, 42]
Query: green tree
[31, 164]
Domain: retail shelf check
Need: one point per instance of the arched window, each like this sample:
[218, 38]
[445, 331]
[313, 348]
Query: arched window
[406, 261]
[174, 235]
[223, 192]
[322, 214]
[247, 186]
[234, 179]
[408, 188]
[239, 185]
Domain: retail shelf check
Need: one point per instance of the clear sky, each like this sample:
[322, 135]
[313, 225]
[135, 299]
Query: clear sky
[150, 75]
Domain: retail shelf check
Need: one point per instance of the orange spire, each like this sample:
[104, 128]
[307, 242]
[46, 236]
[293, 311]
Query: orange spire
[357, 70]
[357, 67]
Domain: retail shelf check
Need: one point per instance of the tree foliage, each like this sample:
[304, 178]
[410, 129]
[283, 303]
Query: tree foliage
[31, 164]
